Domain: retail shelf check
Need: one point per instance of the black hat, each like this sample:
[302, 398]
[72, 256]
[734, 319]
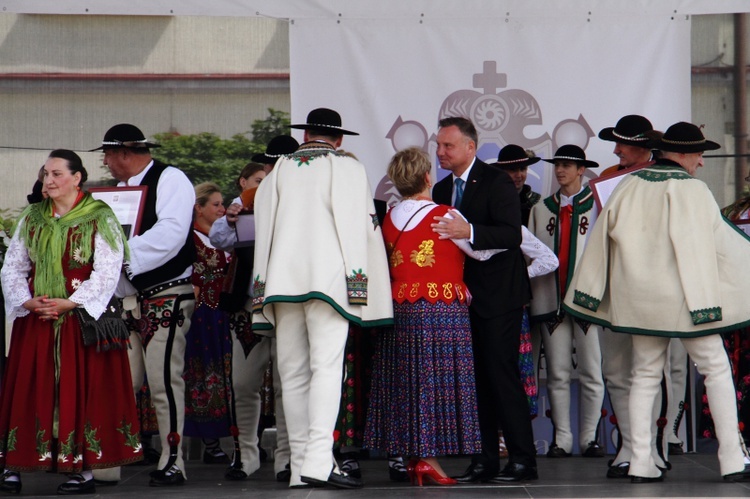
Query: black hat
[324, 120]
[126, 136]
[686, 138]
[633, 130]
[572, 152]
[278, 146]
[512, 156]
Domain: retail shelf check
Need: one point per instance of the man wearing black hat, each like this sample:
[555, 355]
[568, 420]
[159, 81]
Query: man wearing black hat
[249, 367]
[662, 263]
[277, 147]
[515, 161]
[563, 222]
[633, 136]
[320, 262]
[485, 195]
[156, 285]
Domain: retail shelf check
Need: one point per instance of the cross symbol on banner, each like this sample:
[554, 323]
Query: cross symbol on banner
[489, 79]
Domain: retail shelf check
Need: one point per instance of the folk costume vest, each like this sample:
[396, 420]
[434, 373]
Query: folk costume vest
[567, 239]
[183, 259]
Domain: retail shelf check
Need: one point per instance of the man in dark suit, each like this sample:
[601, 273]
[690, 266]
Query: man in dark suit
[487, 197]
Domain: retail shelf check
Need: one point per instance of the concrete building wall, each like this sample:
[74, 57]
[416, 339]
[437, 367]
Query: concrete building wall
[182, 74]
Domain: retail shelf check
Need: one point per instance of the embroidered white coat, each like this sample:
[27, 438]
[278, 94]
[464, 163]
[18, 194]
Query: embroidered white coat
[662, 261]
[317, 236]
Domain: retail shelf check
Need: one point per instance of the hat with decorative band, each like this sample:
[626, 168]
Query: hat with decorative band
[512, 157]
[633, 129]
[125, 136]
[685, 137]
[326, 121]
[571, 152]
[277, 147]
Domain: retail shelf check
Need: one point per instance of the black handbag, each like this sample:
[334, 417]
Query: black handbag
[108, 332]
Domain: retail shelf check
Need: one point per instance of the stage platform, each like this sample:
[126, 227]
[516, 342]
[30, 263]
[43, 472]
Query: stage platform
[692, 475]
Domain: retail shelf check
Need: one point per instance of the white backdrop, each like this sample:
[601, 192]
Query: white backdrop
[539, 82]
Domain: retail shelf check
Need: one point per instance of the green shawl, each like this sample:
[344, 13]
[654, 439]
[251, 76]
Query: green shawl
[45, 237]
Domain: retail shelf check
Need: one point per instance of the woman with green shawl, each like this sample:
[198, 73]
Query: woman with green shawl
[65, 407]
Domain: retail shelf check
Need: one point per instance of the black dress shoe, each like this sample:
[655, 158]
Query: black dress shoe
[478, 472]
[646, 479]
[593, 450]
[218, 457]
[78, 486]
[284, 475]
[555, 451]
[169, 478]
[515, 472]
[337, 480]
[235, 474]
[619, 471]
[740, 476]
[675, 449]
[10, 486]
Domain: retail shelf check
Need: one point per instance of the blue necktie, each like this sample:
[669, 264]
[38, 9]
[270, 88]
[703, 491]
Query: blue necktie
[459, 192]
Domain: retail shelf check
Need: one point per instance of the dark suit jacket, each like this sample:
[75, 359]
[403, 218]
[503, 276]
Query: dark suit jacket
[492, 206]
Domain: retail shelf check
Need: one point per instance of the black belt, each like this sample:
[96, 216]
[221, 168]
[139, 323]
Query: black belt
[149, 292]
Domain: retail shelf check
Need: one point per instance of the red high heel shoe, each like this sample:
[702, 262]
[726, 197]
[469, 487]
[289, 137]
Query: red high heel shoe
[410, 470]
[423, 469]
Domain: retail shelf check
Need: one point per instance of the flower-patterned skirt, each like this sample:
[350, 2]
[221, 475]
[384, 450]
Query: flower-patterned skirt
[208, 374]
[423, 399]
[86, 420]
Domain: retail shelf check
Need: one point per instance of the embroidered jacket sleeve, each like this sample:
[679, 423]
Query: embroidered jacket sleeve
[589, 283]
[95, 292]
[15, 276]
[174, 209]
[693, 218]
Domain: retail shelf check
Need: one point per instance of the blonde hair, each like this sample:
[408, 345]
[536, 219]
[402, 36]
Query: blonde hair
[407, 170]
[205, 190]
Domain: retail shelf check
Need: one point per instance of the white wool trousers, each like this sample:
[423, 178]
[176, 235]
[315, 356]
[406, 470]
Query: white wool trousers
[617, 366]
[558, 349]
[310, 342]
[247, 380]
[649, 359]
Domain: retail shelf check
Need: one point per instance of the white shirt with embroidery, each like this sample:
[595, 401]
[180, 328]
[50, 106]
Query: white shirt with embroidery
[93, 294]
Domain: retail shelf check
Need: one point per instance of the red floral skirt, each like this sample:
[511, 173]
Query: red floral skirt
[65, 407]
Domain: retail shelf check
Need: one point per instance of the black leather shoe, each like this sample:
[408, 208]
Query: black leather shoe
[337, 480]
[79, 486]
[218, 457]
[284, 475]
[10, 486]
[169, 478]
[619, 471]
[555, 451]
[593, 450]
[646, 479]
[675, 449]
[477, 472]
[235, 474]
[515, 472]
[740, 476]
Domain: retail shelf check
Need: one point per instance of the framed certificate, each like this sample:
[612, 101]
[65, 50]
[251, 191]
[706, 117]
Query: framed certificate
[602, 188]
[126, 202]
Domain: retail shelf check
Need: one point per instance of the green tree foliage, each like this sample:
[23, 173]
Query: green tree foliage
[207, 157]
